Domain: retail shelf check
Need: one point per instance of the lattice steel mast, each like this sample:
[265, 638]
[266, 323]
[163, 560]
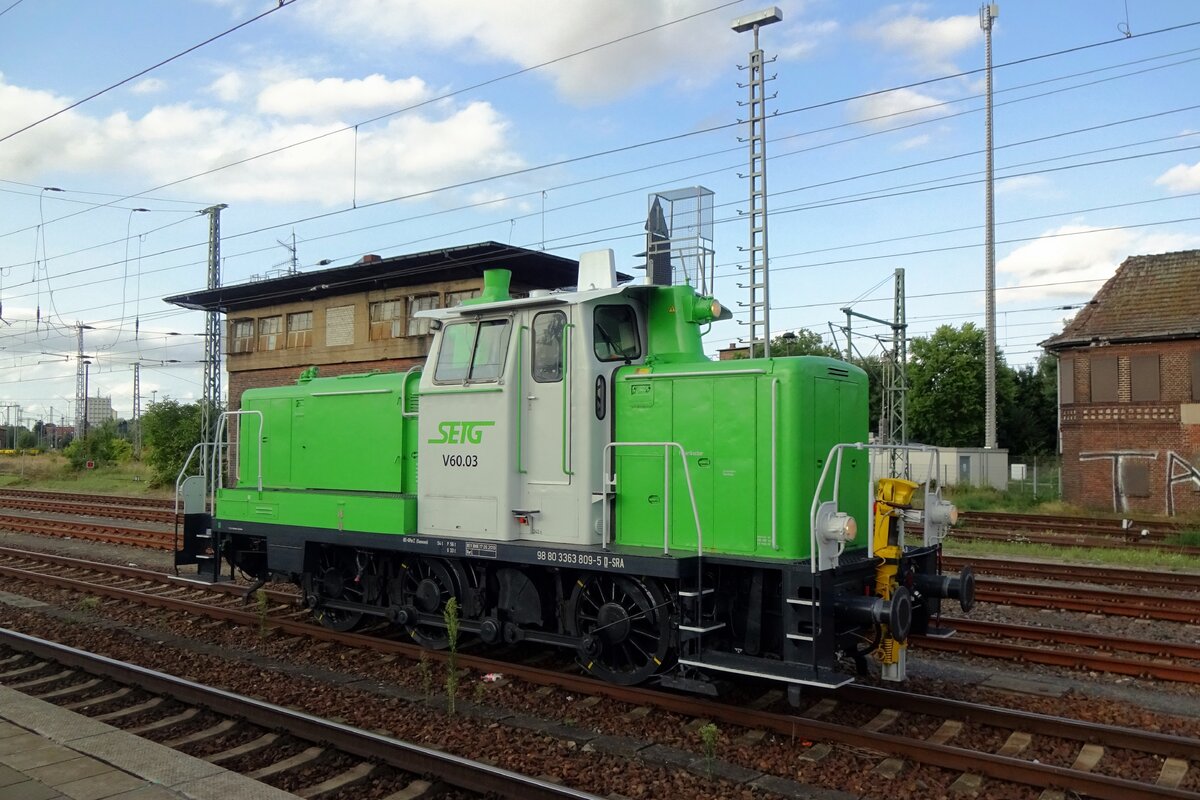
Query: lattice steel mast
[756, 122]
[209, 411]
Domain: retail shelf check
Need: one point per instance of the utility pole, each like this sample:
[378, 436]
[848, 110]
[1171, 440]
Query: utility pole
[756, 121]
[137, 411]
[896, 387]
[8, 435]
[987, 17]
[212, 335]
[80, 387]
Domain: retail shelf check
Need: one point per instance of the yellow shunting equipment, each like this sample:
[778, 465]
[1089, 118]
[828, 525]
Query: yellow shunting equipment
[892, 496]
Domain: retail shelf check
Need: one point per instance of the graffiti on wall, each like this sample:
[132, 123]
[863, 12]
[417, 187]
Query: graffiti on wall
[1119, 458]
[1179, 472]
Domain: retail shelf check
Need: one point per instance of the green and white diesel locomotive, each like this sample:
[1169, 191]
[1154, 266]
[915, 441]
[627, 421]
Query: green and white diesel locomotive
[575, 471]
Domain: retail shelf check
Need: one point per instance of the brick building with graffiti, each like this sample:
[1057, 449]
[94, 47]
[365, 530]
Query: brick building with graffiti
[1129, 390]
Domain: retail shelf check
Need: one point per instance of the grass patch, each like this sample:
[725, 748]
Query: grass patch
[52, 472]
[1134, 556]
[1186, 538]
[985, 498]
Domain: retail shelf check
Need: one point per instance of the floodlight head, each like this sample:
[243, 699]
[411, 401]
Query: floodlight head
[757, 19]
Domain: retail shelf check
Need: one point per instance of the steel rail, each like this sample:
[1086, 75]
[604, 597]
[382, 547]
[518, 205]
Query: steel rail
[1164, 744]
[1066, 540]
[138, 537]
[1189, 581]
[137, 513]
[102, 499]
[455, 770]
[1062, 522]
[1151, 647]
[1093, 601]
[945, 756]
[1059, 658]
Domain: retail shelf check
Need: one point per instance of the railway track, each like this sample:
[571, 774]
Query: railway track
[1094, 770]
[91, 531]
[1108, 576]
[308, 755]
[88, 499]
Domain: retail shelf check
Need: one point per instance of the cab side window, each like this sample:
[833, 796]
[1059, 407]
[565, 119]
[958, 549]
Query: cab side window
[472, 351]
[547, 361]
[615, 334]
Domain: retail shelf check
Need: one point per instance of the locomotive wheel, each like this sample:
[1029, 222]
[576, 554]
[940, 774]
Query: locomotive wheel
[336, 581]
[426, 584]
[625, 624]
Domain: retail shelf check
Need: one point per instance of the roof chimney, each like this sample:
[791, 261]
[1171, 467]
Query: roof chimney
[370, 258]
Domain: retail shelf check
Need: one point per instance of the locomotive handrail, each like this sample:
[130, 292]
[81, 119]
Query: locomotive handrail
[219, 448]
[183, 470]
[566, 401]
[774, 465]
[835, 454]
[520, 392]
[695, 374]
[610, 479]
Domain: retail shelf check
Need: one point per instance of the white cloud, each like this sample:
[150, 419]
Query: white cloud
[1181, 178]
[805, 37]
[914, 142]
[228, 87]
[1022, 183]
[530, 32]
[407, 154]
[331, 98]
[1085, 253]
[899, 106]
[930, 43]
[148, 86]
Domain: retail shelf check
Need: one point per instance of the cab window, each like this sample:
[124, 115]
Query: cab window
[616, 334]
[547, 361]
[472, 351]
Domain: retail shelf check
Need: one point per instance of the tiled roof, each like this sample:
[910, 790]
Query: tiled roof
[1148, 298]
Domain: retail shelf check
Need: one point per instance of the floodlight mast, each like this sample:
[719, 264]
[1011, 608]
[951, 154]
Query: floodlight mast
[756, 121]
[987, 17]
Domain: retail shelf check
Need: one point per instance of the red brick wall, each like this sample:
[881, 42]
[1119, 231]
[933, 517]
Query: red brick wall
[1145, 433]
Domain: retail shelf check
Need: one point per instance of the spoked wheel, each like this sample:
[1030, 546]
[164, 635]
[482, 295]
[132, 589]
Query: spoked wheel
[425, 585]
[625, 624]
[337, 580]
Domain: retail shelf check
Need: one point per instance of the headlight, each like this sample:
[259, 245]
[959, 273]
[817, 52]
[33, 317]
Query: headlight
[943, 513]
[840, 527]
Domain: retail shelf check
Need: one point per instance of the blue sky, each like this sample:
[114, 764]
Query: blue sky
[1095, 155]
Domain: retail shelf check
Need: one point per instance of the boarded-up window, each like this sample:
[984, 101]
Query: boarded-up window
[386, 317]
[339, 326]
[1104, 379]
[1196, 375]
[1143, 378]
[1135, 478]
[456, 298]
[299, 329]
[420, 327]
[243, 336]
[1066, 381]
[269, 329]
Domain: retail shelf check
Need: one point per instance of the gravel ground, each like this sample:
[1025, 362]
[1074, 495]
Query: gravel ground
[1131, 702]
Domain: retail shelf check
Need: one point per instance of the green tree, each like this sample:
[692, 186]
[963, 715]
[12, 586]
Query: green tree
[1029, 424]
[170, 430]
[947, 383]
[101, 446]
[26, 439]
[802, 342]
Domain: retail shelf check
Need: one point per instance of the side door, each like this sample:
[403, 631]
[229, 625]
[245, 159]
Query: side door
[545, 420]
